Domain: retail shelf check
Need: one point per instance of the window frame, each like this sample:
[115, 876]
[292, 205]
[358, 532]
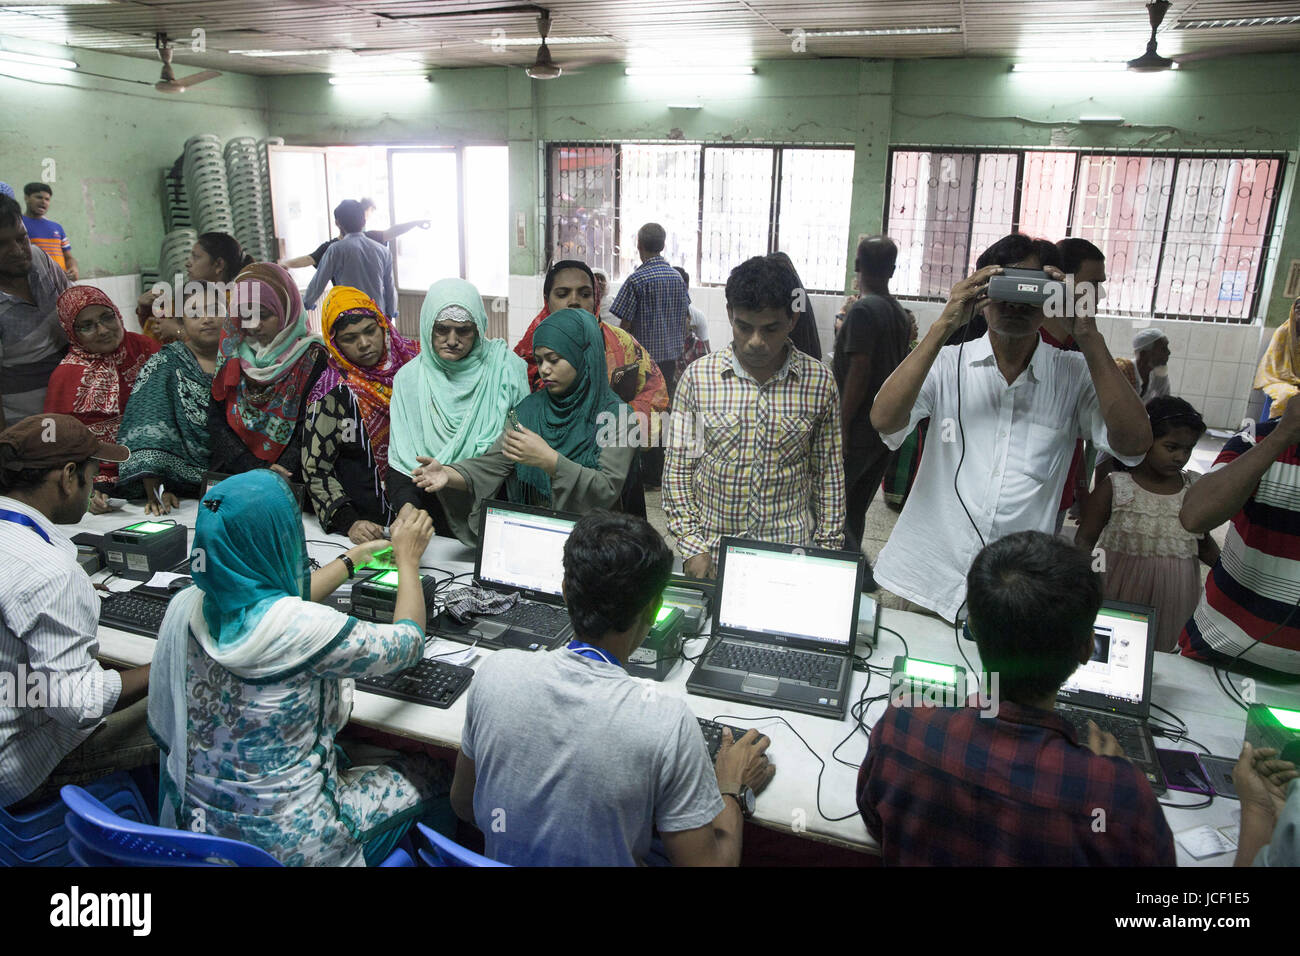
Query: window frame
[774, 200]
[1263, 274]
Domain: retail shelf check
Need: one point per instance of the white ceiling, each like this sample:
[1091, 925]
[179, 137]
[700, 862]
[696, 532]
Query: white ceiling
[386, 34]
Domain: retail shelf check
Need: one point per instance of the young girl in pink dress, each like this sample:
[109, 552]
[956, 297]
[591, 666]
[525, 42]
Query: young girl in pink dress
[1131, 520]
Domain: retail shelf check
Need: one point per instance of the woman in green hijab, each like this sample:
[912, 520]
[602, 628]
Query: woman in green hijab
[572, 441]
[449, 403]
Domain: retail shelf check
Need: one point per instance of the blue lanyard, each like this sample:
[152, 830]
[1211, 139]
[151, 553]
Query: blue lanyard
[583, 649]
[18, 518]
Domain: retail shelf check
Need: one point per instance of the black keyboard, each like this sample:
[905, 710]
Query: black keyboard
[712, 731]
[135, 612]
[1125, 729]
[432, 683]
[538, 618]
[818, 670]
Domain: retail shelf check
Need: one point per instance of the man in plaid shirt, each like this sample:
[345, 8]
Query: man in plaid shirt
[1015, 786]
[771, 466]
[654, 306]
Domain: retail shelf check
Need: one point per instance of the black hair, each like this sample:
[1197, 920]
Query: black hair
[352, 318]
[11, 214]
[28, 479]
[350, 216]
[1033, 600]
[877, 257]
[1075, 252]
[615, 565]
[1017, 247]
[549, 282]
[762, 283]
[31, 188]
[223, 246]
[651, 237]
[1168, 412]
[367, 203]
[686, 276]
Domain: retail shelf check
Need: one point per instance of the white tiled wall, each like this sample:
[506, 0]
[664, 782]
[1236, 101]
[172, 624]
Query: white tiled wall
[1212, 365]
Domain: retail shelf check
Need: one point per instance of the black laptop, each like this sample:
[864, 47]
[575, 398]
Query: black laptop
[1113, 689]
[783, 627]
[520, 550]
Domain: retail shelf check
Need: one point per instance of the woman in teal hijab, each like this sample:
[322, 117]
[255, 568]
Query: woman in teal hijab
[450, 403]
[572, 441]
[247, 697]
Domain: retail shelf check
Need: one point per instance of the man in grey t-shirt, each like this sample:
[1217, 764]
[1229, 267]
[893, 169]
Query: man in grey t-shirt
[566, 760]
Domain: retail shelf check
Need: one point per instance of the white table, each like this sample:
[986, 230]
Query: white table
[790, 802]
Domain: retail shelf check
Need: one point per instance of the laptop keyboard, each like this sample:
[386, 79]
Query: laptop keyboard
[429, 682]
[817, 670]
[712, 731]
[1125, 729]
[538, 618]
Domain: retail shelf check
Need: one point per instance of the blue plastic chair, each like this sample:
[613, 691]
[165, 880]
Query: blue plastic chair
[99, 837]
[39, 836]
[447, 852]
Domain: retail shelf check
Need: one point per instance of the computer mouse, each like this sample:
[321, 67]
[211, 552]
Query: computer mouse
[179, 584]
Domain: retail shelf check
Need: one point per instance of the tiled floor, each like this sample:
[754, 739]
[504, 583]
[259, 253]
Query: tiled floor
[881, 520]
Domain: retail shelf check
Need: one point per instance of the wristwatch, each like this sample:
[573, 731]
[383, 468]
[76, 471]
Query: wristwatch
[743, 796]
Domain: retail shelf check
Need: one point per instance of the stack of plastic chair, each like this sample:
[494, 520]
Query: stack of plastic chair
[244, 182]
[205, 185]
[445, 852]
[268, 216]
[99, 837]
[39, 837]
[176, 246]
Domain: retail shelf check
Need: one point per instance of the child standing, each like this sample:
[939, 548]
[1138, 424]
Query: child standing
[1148, 557]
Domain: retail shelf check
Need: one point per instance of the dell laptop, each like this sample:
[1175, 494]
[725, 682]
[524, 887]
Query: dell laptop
[520, 550]
[1113, 689]
[783, 627]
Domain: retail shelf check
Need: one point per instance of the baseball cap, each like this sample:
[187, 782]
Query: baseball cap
[50, 441]
[1147, 338]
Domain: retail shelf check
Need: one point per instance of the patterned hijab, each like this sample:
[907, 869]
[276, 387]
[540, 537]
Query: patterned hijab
[371, 387]
[569, 422]
[264, 390]
[98, 396]
[453, 410]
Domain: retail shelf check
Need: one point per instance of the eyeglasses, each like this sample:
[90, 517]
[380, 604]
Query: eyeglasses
[85, 327]
[441, 331]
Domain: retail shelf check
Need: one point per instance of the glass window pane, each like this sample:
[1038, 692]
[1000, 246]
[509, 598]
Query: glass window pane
[1121, 203]
[359, 172]
[930, 198]
[425, 187]
[299, 202]
[737, 209]
[1214, 245]
[1045, 186]
[487, 218]
[582, 205]
[659, 184]
[995, 195]
[813, 223]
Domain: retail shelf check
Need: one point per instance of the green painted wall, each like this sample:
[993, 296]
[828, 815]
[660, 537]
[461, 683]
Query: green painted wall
[111, 141]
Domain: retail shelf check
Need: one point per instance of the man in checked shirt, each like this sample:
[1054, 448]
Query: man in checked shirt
[771, 466]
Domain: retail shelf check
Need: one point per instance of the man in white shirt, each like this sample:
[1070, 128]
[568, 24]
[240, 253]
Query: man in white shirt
[1005, 411]
[1151, 356]
[63, 718]
[566, 760]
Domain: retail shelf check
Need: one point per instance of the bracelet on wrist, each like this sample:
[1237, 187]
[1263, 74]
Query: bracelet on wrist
[348, 563]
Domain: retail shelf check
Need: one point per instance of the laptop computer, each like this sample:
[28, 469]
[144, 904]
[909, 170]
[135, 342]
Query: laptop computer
[783, 627]
[520, 549]
[1113, 689]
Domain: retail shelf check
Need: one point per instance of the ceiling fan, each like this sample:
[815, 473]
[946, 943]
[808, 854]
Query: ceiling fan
[168, 83]
[1151, 61]
[544, 67]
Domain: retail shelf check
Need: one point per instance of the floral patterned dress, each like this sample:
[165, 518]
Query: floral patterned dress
[263, 765]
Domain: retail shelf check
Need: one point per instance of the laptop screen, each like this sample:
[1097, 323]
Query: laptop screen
[1117, 673]
[789, 595]
[523, 551]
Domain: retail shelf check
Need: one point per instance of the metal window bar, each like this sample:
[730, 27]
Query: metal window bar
[1186, 234]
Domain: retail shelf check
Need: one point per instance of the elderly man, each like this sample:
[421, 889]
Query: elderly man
[1005, 411]
[1151, 358]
